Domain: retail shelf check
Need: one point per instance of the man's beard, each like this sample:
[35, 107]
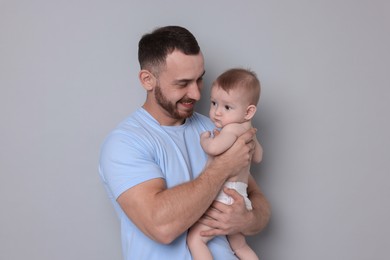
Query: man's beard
[170, 107]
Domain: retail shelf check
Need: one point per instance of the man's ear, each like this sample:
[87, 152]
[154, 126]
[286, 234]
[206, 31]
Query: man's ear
[147, 79]
[250, 112]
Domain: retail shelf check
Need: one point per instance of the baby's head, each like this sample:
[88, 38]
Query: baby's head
[234, 97]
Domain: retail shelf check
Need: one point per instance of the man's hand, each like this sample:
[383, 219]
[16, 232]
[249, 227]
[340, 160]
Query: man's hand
[227, 219]
[237, 157]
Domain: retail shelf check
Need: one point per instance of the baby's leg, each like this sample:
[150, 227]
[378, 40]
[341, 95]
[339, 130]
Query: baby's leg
[198, 244]
[241, 248]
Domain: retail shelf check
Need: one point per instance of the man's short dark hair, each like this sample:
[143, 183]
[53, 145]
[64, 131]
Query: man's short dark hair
[154, 47]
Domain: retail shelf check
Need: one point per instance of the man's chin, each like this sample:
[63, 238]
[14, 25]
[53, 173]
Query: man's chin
[187, 114]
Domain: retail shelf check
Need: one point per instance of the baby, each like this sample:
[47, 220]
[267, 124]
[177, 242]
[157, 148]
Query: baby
[234, 97]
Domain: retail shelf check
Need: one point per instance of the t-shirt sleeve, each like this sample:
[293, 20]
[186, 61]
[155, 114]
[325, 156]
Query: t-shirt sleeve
[125, 162]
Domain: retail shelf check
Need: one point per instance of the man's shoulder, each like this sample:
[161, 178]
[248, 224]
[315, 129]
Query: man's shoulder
[129, 130]
[135, 123]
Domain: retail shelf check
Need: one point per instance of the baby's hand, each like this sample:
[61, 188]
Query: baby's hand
[216, 132]
[205, 135]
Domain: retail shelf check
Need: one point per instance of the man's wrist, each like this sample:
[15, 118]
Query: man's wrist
[251, 224]
[218, 168]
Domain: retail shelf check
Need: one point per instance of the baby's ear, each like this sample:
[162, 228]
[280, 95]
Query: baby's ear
[147, 79]
[250, 112]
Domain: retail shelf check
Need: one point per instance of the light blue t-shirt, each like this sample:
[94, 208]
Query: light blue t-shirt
[140, 149]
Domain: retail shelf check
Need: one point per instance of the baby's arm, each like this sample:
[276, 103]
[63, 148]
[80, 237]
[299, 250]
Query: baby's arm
[219, 143]
[258, 154]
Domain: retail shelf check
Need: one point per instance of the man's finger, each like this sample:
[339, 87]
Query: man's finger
[213, 232]
[248, 135]
[233, 193]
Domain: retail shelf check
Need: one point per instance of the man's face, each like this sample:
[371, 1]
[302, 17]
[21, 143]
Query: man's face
[178, 87]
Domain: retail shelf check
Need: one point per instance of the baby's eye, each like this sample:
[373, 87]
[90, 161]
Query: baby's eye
[213, 103]
[227, 107]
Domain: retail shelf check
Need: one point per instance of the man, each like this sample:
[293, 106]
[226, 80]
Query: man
[154, 169]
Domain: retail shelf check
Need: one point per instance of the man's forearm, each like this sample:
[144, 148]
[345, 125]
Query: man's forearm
[178, 208]
[164, 214]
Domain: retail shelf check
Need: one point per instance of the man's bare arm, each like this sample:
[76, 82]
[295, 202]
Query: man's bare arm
[261, 209]
[163, 214]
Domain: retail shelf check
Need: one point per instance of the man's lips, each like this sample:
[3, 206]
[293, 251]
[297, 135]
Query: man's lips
[187, 104]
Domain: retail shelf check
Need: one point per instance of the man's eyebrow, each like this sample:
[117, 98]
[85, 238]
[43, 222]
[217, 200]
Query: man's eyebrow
[189, 80]
[182, 81]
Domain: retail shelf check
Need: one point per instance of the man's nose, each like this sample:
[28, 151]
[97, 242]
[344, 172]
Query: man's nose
[194, 91]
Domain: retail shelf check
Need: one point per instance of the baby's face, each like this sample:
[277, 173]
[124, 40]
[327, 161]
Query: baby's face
[226, 107]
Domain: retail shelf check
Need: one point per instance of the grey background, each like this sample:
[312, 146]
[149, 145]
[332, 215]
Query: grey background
[68, 75]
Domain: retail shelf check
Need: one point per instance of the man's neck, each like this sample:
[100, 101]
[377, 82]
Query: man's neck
[162, 117]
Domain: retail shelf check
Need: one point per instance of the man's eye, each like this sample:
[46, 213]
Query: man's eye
[183, 84]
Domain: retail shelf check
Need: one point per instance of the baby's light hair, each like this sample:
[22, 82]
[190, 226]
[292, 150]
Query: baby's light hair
[236, 78]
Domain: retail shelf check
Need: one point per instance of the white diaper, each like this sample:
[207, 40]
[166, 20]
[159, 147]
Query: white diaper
[240, 187]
